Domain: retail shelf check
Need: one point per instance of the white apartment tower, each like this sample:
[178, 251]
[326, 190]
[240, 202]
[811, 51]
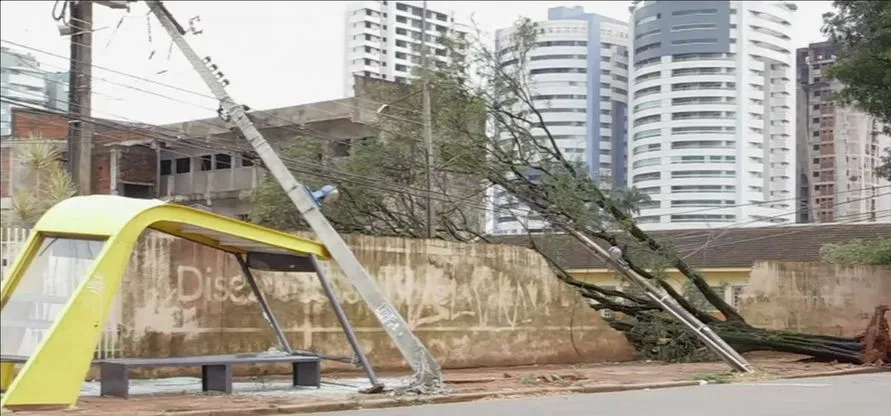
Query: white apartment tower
[579, 81]
[383, 39]
[840, 149]
[712, 113]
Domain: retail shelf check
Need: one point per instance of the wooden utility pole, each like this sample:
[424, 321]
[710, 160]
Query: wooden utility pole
[428, 128]
[80, 132]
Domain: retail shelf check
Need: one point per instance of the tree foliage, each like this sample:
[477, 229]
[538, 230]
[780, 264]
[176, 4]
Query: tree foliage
[884, 170]
[382, 183]
[45, 182]
[862, 32]
[870, 252]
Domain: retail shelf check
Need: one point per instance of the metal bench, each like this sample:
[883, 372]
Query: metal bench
[216, 370]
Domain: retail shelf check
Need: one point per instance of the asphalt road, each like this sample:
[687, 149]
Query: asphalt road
[860, 395]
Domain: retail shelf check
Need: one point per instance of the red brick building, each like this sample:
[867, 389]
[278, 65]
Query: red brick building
[118, 168]
[193, 162]
[197, 161]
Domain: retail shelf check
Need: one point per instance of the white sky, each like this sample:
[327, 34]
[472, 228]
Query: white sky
[274, 53]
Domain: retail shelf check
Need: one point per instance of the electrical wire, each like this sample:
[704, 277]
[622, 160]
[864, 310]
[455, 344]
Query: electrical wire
[484, 208]
[203, 95]
[855, 218]
[317, 134]
[295, 165]
[313, 169]
[709, 209]
[59, 15]
[858, 218]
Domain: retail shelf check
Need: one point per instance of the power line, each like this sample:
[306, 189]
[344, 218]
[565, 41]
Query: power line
[176, 132]
[308, 168]
[192, 92]
[199, 94]
[527, 211]
[374, 185]
[299, 130]
[856, 218]
[710, 209]
[299, 166]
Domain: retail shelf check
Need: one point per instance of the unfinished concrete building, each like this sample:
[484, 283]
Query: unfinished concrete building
[839, 149]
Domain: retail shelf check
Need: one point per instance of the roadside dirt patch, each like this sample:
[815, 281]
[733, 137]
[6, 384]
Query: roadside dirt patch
[507, 381]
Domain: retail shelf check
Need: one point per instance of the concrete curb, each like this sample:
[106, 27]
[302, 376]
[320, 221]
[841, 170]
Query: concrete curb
[847, 372]
[390, 402]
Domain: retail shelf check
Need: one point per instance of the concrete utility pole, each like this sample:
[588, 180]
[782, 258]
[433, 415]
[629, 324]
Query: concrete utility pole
[615, 258]
[80, 134]
[427, 122]
[428, 375]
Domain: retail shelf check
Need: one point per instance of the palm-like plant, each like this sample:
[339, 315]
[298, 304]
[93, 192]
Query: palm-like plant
[45, 182]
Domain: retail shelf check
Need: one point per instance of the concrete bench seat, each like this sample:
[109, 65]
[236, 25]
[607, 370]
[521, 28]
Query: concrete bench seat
[216, 370]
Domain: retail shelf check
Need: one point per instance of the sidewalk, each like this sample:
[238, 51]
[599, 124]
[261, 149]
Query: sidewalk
[181, 396]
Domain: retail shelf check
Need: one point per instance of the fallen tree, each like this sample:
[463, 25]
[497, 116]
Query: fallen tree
[659, 336]
[520, 157]
[524, 161]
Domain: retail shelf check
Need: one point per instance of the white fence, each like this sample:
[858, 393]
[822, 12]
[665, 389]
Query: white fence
[12, 242]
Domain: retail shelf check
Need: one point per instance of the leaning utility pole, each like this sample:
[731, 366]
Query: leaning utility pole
[80, 73]
[428, 376]
[615, 258]
[427, 122]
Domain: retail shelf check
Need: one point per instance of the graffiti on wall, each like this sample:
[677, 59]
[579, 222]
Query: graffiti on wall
[431, 299]
[474, 305]
[814, 297]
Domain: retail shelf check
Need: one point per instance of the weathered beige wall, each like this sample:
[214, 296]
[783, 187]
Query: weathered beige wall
[472, 305]
[815, 297]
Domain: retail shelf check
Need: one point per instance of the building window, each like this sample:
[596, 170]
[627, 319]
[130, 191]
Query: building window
[652, 176]
[183, 165]
[166, 167]
[693, 12]
[206, 162]
[223, 161]
[707, 41]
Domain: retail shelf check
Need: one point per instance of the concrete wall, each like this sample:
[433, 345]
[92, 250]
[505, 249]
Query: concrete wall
[815, 297]
[472, 305]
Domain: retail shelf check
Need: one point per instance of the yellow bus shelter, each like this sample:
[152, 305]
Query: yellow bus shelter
[76, 257]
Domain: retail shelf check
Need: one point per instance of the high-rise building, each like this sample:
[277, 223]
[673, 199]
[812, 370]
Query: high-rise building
[839, 149]
[712, 113]
[57, 90]
[22, 80]
[383, 39]
[579, 76]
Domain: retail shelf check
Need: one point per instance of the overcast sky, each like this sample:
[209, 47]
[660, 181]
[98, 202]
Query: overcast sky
[274, 53]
